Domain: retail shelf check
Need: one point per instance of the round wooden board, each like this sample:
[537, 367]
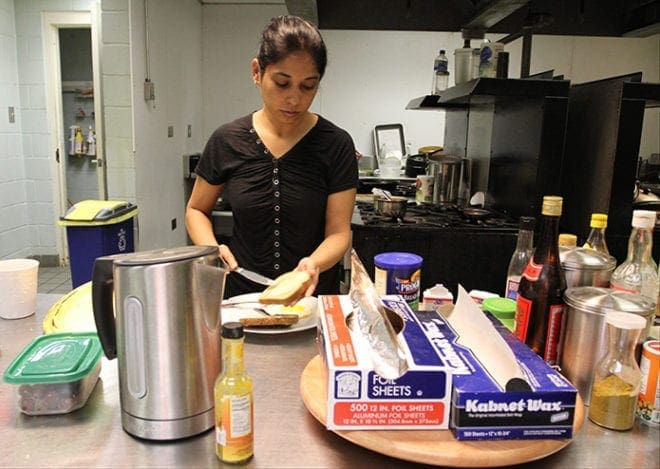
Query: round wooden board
[438, 447]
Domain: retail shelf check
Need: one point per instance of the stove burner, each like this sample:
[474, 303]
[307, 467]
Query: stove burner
[444, 216]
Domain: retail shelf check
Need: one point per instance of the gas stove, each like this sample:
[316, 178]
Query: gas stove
[447, 216]
[458, 247]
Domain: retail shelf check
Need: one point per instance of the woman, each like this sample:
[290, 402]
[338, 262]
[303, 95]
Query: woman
[289, 175]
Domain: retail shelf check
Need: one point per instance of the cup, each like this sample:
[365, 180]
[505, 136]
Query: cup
[18, 288]
[463, 65]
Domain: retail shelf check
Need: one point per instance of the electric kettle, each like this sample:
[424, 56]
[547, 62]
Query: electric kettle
[158, 313]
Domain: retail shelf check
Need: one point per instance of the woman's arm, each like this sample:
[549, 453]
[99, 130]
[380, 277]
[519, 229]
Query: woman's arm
[198, 218]
[337, 236]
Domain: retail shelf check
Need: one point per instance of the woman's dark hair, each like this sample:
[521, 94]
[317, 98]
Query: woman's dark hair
[287, 34]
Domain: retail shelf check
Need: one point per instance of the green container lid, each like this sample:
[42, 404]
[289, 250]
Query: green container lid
[56, 358]
[501, 308]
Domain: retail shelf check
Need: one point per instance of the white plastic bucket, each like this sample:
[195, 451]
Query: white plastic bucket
[18, 288]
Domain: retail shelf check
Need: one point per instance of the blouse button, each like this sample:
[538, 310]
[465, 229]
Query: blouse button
[258, 141]
[252, 130]
[277, 232]
[276, 266]
[276, 181]
[277, 254]
[277, 208]
[277, 220]
[277, 193]
[276, 170]
[276, 244]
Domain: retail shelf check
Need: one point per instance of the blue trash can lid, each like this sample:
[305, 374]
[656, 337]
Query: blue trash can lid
[98, 212]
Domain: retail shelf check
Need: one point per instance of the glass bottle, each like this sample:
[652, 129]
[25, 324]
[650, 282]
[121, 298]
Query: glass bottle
[617, 376]
[540, 302]
[521, 256]
[234, 410]
[639, 272]
[440, 73]
[596, 238]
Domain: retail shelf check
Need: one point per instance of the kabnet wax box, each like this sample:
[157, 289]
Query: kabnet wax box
[360, 399]
[482, 410]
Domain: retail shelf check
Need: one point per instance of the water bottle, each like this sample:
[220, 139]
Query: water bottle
[521, 255]
[440, 73]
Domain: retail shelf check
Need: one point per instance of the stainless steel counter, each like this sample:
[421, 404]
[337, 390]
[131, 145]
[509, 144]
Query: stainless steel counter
[286, 434]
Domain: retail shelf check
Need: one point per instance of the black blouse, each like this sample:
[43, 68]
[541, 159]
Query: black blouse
[278, 204]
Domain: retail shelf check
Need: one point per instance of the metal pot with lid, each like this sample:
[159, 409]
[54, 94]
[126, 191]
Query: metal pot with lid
[584, 331]
[586, 267]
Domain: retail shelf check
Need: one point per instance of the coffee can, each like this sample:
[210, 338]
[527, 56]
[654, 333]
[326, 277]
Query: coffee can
[648, 401]
[399, 273]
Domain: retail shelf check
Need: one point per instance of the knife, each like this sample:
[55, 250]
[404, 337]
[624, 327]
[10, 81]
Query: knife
[255, 277]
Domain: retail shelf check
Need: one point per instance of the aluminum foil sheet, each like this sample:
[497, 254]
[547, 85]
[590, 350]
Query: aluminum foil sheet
[370, 320]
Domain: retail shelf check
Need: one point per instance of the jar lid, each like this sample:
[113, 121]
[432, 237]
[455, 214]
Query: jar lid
[625, 320]
[579, 258]
[397, 260]
[598, 220]
[643, 219]
[567, 240]
[552, 205]
[55, 358]
[502, 308]
[603, 300]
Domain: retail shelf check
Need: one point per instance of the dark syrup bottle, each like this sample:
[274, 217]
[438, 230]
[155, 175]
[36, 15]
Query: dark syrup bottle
[540, 303]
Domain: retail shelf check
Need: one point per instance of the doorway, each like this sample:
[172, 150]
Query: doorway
[71, 51]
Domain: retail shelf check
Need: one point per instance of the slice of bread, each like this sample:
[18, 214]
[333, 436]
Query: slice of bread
[286, 288]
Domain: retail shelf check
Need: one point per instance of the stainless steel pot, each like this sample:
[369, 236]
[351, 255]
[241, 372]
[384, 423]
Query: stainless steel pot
[395, 207]
[585, 267]
[584, 332]
[446, 172]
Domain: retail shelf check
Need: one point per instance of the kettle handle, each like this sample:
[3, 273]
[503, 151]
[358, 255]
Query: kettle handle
[102, 293]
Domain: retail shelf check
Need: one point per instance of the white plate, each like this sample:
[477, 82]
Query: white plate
[235, 313]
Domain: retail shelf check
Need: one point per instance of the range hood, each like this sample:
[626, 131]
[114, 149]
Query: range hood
[617, 18]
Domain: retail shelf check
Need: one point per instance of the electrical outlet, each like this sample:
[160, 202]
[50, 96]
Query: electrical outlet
[170, 131]
[189, 130]
[173, 223]
[12, 117]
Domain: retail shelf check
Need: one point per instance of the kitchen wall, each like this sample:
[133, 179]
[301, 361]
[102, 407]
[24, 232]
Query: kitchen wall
[202, 79]
[16, 239]
[175, 67]
[372, 75]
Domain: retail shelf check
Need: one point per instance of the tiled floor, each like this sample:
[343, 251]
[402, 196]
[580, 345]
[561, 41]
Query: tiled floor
[54, 280]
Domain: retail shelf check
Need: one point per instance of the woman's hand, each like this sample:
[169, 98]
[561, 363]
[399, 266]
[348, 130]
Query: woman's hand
[227, 257]
[306, 264]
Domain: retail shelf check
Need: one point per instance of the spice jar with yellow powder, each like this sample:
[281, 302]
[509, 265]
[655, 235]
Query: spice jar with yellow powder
[617, 376]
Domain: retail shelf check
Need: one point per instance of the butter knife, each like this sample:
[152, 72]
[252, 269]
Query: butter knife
[255, 277]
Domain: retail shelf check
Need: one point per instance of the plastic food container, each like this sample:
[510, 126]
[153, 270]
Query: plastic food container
[399, 273]
[503, 309]
[56, 373]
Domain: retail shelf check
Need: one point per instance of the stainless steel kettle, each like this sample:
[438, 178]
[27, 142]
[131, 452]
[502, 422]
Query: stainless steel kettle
[158, 312]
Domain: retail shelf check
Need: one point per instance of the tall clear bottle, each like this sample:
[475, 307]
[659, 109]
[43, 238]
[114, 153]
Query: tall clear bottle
[234, 410]
[639, 272]
[540, 303]
[596, 238]
[521, 256]
[440, 73]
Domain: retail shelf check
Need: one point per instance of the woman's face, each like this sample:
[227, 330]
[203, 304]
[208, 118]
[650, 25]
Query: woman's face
[288, 87]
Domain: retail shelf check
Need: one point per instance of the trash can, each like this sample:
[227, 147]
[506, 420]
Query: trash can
[96, 228]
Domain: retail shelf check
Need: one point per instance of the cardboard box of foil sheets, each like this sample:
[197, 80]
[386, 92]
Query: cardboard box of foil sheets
[360, 399]
[482, 410]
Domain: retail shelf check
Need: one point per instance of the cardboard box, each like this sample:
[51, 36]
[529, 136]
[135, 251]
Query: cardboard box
[358, 398]
[482, 410]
